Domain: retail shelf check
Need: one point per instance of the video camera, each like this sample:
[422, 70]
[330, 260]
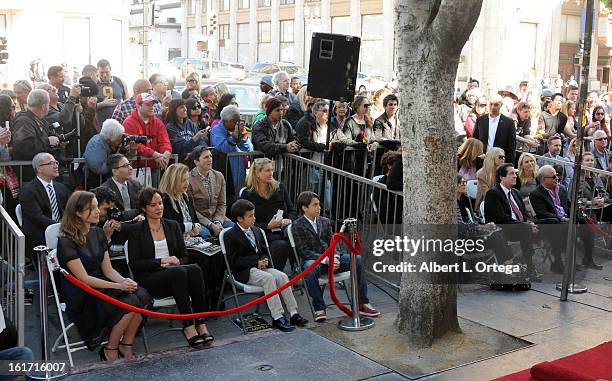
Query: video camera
[134, 138]
[115, 214]
[88, 87]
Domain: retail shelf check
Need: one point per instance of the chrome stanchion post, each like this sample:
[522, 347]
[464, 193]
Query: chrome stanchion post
[46, 374]
[356, 322]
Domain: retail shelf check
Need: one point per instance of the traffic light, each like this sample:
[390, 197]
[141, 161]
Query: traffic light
[212, 22]
[156, 10]
[3, 51]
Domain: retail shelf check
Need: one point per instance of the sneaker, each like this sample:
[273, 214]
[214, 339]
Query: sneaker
[368, 310]
[592, 265]
[320, 316]
[283, 324]
[296, 319]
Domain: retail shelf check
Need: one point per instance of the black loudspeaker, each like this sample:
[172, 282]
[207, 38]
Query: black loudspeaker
[332, 73]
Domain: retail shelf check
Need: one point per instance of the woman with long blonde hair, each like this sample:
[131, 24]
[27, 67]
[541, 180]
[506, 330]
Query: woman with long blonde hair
[470, 158]
[82, 250]
[273, 208]
[486, 175]
[526, 176]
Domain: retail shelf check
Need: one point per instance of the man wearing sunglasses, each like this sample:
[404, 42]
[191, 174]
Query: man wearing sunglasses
[601, 151]
[496, 130]
[551, 204]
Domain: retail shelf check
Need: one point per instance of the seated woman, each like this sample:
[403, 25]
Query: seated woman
[82, 249]
[273, 209]
[159, 261]
[486, 175]
[526, 176]
[184, 135]
[179, 206]
[593, 192]
[207, 189]
[469, 158]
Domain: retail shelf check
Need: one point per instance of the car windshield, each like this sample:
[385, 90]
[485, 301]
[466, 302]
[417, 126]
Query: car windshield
[246, 96]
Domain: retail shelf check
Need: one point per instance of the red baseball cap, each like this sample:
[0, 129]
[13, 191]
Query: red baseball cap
[146, 98]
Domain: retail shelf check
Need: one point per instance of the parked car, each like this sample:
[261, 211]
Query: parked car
[369, 83]
[262, 68]
[247, 95]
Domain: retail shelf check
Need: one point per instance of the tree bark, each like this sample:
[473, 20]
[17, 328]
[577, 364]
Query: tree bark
[429, 36]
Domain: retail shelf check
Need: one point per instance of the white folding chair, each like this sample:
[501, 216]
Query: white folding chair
[51, 238]
[19, 215]
[167, 302]
[241, 190]
[482, 210]
[341, 277]
[472, 188]
[229, 278]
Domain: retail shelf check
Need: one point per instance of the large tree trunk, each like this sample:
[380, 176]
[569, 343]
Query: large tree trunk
[429, 36]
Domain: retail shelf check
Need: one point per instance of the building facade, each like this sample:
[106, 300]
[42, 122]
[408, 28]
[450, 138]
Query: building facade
[52, 32]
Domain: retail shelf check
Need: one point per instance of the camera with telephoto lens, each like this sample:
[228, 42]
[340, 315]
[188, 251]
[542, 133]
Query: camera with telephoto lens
[114, 214]
[89, 88]
[135, 139]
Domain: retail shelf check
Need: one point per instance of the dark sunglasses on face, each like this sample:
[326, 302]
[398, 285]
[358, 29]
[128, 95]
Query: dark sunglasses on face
[191, 80]
[600, 139]
[196, 106]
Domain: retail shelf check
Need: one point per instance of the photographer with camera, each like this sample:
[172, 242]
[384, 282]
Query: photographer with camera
[121, 183]
[143, 122]
[61, 116]
[104, 144]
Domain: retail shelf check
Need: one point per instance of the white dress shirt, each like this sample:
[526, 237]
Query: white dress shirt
[493, 123]
[506, 191]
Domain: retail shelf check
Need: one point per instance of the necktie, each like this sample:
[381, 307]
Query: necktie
[251, 237]
[54, 208]
[515, 208]
[125, 196]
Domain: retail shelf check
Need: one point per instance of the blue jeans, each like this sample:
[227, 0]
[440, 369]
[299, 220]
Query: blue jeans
[315, 291]
[205, 233]
[18, 354]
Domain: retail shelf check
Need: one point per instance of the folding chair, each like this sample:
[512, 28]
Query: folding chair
[323, 279]
[167, 302]
[246, 289]
[19, 215]
[51, 238]
[472, 189]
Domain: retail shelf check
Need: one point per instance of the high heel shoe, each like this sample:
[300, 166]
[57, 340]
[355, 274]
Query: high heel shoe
[103, 355]
[193, 341]
[206, 336]
[125, 345]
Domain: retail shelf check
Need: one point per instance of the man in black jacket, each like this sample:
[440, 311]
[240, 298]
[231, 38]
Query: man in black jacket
[552, 206]
[249, 261]
[504, 206]
[273, 135]
[497, 130]
[42, 200]
[126, 190]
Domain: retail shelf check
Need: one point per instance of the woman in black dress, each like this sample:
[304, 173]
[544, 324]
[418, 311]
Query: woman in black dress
[269, 197]
[82, 249]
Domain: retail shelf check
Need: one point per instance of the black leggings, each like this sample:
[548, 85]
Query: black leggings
[181, 282]
[213, 269]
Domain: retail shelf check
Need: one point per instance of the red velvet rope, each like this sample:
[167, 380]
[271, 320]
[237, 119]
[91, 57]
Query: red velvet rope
[329, 253]
[597, 229]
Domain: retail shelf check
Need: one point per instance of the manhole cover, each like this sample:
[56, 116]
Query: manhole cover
[265, 368]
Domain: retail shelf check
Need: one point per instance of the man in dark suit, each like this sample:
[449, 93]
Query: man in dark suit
[42, 200]
[249, 261]
[497, 130]
[312, 234]
[504, 206]
[126, 190]
[551, 204]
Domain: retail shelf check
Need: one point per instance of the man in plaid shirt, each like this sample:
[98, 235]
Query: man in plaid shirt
[125, 108]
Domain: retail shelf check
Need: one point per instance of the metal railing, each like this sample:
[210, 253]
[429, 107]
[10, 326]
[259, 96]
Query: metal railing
[12, 272]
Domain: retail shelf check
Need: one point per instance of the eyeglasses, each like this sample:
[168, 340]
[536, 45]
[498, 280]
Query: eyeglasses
[191, 80]
[600, 139]
[552, 177]
[128, 165]
[53, 163]
[196, 106]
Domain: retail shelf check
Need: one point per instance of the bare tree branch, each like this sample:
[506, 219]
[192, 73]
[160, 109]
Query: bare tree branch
[419, 15]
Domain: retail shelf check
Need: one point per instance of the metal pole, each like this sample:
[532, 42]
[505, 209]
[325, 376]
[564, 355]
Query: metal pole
[42, 252]
[78, 126]
[570, 268]
[146, 20]
[356, 322]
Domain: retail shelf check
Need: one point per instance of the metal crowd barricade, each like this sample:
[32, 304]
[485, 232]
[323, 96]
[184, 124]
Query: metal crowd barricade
[12, 272]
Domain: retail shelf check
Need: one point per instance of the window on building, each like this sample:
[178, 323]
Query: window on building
[3, 25]
[570, 29]
[264, 42]
[341, 25]
[244, 56]
[244, 4]
[191, 10]
[77, 33]
[371, 41]
[224, 36]
[286, 41]
[286, 2]
[526, 36]
[224, 5]
[264, 3]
